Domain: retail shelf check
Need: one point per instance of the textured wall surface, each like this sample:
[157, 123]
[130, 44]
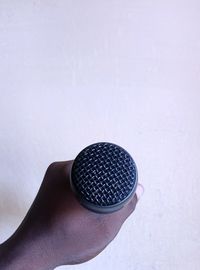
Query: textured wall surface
[77, 72]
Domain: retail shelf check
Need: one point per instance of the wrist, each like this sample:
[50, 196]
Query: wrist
[12, 257]
[17, 254]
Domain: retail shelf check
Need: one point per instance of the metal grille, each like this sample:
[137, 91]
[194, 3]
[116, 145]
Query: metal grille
[104, 174]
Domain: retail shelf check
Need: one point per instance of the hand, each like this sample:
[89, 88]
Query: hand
[58, 230]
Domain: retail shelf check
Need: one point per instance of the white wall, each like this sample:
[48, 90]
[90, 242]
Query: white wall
[77, 72]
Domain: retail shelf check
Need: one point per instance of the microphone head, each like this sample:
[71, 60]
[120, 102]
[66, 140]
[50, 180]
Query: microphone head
[104, 177]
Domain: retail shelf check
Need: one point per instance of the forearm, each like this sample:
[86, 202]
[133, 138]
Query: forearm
[9, 257]
[17, 254]
[26, 248]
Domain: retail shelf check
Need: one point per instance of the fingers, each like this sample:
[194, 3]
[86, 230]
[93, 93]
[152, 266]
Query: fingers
[58, 172]
[130, 206]
[139, 191]
[59, 166]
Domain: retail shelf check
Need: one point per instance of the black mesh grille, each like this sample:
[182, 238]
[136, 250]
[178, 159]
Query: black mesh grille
[104, 174]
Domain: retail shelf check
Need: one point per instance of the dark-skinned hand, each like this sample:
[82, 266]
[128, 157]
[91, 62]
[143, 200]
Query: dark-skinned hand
[58, 230]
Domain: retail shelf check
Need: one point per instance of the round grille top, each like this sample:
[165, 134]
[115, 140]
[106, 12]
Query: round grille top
[104, 176]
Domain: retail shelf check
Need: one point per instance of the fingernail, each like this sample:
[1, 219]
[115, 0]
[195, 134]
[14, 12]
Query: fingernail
[139, 191]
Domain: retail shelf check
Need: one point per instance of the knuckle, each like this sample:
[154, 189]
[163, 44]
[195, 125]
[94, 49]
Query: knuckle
[132, 204]
[51, 168]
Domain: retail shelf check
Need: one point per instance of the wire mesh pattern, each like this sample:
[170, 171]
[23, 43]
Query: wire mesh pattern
[104, 174]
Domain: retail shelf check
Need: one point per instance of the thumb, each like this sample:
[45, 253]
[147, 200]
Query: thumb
[130, 207]
[139, 191]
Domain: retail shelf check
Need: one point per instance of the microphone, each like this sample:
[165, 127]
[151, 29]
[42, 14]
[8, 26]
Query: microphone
[104, 177]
